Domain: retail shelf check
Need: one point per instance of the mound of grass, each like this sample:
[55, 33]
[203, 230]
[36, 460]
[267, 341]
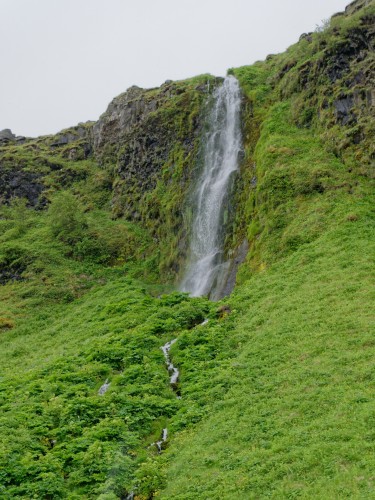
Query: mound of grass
[288, 401]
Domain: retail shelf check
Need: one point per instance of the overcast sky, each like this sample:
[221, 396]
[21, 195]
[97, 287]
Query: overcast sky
[62, 61]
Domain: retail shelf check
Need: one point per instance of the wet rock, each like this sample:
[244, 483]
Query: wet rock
[204, 322]
[172, 370]
[343, 110]
[238, 258]
[161, 443]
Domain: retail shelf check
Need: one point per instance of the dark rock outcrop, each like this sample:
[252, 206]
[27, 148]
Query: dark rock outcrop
[124, 112]
[306, 36]
[337, 60]
[72, 135]
[343, 109]
[18, 183]
[237, 259]
[139, 132]
[7, 275]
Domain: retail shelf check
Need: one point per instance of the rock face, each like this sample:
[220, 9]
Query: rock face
[130, 135]
[343, 109]
[28, 167]
[7, 136]
[123, 113]
[138, 132]
[349, 67]
[237, 259]
[146, 144]
[339, 59]
[17, 183]
[74, 134]
[150, 140]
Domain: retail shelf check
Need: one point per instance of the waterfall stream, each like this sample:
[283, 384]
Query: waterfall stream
[172, 370]
[207, 269]
[104, 388]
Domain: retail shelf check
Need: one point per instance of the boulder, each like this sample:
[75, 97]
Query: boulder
[306, 36]
[6, 136]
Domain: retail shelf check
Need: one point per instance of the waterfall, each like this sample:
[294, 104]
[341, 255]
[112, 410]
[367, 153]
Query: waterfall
[206, 269]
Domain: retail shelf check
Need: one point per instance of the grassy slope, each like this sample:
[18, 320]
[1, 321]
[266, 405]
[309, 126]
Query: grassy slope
[59, 438]
[296, 411]
[76, 314]
[74, 311]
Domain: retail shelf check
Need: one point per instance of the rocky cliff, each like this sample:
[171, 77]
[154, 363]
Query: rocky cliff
[145, 146]
[149, 140]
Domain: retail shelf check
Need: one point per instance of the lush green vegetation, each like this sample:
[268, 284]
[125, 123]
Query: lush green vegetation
[277, 388]
[289, 410]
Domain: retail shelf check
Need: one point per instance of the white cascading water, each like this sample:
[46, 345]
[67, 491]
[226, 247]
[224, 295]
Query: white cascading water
[206, 270]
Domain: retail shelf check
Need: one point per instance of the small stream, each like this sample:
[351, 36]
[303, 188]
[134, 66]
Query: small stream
[173, 380]
[104, 388]
[159, 444]
[172, 370]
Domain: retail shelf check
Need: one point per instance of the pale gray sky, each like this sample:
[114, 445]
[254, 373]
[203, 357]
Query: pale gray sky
[62, 61]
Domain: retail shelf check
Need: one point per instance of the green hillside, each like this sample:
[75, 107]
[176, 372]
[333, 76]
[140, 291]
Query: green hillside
[276, 391]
